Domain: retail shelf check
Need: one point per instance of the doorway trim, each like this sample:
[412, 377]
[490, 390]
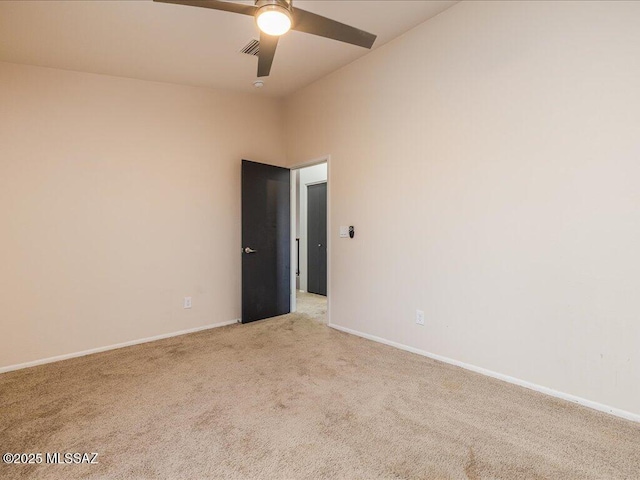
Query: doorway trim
[297, 166]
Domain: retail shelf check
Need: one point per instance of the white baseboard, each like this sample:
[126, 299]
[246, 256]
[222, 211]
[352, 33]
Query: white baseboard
[634, 417]
[113, 347]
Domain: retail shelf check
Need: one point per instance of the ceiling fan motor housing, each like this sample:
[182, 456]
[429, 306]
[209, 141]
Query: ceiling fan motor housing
[274, 17]
[284, 6]
[287, 4]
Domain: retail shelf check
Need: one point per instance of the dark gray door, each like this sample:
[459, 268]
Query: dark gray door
[317, 238]
[266, 231]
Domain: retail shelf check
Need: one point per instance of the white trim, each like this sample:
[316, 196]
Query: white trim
[634, 417]
[67, 356]
[311, 184]
[310, 163]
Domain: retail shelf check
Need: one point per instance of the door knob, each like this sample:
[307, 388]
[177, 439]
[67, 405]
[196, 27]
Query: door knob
[319, 244]
[249, 250]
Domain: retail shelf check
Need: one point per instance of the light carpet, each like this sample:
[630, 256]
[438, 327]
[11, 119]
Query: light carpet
[290, 398]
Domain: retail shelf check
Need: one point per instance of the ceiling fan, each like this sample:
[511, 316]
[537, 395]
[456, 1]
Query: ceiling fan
[277, 17]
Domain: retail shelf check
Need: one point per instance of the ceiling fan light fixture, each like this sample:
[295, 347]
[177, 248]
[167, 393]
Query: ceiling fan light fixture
[273, 20]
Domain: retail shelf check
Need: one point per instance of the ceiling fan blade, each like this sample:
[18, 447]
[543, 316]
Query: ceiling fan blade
[308, 22]
[216, 5]
[267, 51]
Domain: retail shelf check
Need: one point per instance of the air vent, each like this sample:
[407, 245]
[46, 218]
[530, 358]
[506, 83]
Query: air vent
[252, 48]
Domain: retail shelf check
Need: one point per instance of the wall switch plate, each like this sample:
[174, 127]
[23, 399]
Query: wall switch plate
[187, 302]
[419, 317]
[344, 232]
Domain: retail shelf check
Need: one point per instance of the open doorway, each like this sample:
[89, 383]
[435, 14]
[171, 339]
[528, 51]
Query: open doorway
[309, 225]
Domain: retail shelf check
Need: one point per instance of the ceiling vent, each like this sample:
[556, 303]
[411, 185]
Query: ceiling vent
[252, 48]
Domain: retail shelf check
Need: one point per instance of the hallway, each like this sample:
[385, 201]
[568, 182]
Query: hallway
[315, 306]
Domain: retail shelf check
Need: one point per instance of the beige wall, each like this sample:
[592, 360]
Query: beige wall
[489, 160]
[118, 198]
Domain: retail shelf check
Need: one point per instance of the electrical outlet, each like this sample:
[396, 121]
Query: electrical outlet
[419, 317]
[187, 302]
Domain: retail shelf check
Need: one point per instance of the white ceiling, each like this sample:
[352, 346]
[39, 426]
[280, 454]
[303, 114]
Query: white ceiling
[189, 45]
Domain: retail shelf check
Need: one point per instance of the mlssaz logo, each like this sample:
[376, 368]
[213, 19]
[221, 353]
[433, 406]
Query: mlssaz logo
[72, 458]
